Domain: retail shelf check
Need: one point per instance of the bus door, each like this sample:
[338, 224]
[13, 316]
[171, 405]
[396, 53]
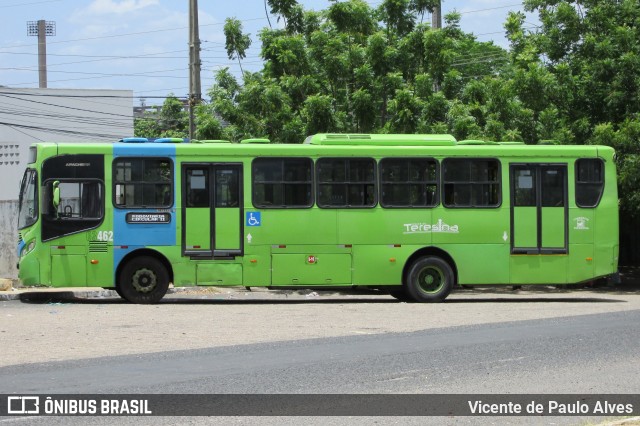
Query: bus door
[212, 212]
[539, 220]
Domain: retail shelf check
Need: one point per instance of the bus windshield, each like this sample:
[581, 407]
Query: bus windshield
[28, 206]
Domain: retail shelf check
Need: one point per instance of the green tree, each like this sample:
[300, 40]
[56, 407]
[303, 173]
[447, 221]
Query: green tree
[236, 42]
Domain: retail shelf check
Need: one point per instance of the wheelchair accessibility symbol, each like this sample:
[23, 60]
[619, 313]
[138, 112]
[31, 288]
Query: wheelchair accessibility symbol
[253, 219]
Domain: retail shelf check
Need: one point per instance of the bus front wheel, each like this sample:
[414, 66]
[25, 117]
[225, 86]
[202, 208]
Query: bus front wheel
[143, 280]
[430, 279]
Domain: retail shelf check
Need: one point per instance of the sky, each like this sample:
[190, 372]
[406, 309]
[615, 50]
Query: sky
[142, 45]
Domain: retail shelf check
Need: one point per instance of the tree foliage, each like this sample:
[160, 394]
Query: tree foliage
[357, 68]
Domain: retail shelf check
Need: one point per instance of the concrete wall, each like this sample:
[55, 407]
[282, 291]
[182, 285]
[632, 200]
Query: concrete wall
[28, 116]
[8, 239]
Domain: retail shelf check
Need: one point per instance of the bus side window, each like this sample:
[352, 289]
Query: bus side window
[589, 182]
[282, 182]
[473, 182]
[408, 182]
[346, 182]
[79, 200]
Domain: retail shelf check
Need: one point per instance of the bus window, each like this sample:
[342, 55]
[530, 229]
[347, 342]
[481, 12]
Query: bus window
[524, 188]
[80, 200]
[552, 187]
[28, 201]
[282, 182]
[198, 187]
[471, 182]
[227, 184]
[589, 182]
[346, 182]
[408, 182]
[142, 182]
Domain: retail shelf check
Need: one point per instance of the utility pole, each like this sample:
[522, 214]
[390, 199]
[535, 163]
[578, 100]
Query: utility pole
[42, 29]
[436, 16]
[195, 92]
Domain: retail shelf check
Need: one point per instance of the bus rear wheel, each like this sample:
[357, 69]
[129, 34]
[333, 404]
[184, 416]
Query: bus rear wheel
[430, 279]
[143, 280]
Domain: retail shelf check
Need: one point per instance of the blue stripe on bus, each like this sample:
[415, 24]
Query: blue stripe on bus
[139, 235]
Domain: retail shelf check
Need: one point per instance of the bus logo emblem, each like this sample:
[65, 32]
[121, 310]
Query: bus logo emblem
[581, 223]
[253, 219]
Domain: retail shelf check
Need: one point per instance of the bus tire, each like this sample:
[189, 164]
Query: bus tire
[430, 279]
[143, 280]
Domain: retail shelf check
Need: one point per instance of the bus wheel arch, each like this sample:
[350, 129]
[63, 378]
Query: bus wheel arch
[429, 275]
[143, 276]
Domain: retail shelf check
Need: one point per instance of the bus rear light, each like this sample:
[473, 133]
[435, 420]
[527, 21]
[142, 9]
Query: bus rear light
[94, 261]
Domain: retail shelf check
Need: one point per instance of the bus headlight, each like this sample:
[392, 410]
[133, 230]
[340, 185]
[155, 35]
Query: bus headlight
[28, 248]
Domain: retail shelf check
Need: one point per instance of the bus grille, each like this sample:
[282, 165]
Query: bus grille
[19, 237]
[98, 247]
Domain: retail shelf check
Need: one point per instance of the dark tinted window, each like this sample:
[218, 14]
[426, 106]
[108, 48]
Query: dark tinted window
[142, 182]
[346, 182]
[227, 187]
[408, 182]
[471, 182]
[589, 182]
[282, 182]
[197, 187]
[552, 186]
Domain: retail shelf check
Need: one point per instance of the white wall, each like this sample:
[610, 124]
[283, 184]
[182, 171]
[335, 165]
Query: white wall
[56, 115]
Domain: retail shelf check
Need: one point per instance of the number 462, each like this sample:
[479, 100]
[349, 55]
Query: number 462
[105, 236]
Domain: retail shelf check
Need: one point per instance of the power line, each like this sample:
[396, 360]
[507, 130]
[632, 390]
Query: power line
[28, 4]
[53, 95]
[64, 106]
[63, 131]
[127, 34]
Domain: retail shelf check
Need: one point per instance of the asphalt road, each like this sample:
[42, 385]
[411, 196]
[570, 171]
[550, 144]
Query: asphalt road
[582, 354]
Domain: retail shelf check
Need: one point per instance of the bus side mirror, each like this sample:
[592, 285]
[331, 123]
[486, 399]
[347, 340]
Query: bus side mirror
[56, 196]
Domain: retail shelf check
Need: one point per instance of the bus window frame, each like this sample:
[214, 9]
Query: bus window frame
[115, 182]
[36, 200]
[437, 199]
[51, 224]
[576, 182]
[444, 182]
[52, 212]
[311, 182]
[374, 181]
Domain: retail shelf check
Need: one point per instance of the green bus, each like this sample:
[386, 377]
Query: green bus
[414, 215]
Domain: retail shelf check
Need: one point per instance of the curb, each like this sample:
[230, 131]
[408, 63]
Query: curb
[45, 293]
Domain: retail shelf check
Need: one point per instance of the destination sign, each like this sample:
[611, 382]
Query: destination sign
[148, 218]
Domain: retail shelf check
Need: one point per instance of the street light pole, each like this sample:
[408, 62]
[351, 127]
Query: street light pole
[42, 29]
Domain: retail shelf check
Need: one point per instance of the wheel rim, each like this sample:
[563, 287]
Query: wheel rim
[144, 280]
[431, 279]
